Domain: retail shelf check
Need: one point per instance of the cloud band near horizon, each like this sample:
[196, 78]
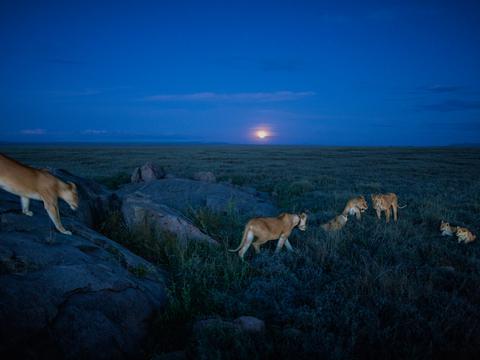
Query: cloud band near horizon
[233, 97]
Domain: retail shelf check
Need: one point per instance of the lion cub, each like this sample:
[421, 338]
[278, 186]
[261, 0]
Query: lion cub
[30, 183]
[465, 235]
[447, 229]
[266, 229]
[356, 206]
[387, 203]
[336, 223]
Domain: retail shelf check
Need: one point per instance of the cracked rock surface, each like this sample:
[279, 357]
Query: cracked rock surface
[79, 296]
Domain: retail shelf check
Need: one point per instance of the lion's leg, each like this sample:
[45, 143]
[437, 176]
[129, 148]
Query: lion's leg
[256, 246]
[379, 213]
[395, 211]
[288, 245]
[25, 206]
[280, 243]
[52, 210]
[387, 214]
[358, 214]
[245, 247]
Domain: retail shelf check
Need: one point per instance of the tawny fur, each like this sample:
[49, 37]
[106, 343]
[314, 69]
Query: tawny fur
[387, 203]
[337, 223]
[355, 206]
[465, 235]
[30, 183]
[266, 229]
[447, 229]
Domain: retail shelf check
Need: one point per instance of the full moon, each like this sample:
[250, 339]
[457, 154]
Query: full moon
[261, 134]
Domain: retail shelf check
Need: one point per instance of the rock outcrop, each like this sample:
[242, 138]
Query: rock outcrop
[184, 195]
[79, 296]
[147, 173]
[167, 205]
[139, 209]
[86, 296]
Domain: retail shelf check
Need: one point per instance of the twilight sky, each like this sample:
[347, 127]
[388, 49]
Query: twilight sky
[308, 72]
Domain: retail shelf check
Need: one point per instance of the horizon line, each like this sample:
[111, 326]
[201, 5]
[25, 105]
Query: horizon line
[160, 143]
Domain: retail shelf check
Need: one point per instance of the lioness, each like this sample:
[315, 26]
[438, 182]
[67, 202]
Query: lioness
[386, 202]
[465, 235]
[269, 228]
[30, 183]
[447, 229]
[355, 206]
[336, 223]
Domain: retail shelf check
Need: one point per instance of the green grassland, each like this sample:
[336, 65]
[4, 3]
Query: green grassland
[372, 290]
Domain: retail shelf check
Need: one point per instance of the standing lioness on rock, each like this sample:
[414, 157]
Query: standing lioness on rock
[266, 229]
[30, 183]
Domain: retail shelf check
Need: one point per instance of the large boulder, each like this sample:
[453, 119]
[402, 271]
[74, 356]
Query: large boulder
[79, 296]
[148, 172]
[185, 194]
[140, 210]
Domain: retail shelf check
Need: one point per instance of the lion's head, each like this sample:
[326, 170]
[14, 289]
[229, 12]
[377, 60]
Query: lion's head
[302, 225]
[447, 229]
[362, 203]
[70, 195]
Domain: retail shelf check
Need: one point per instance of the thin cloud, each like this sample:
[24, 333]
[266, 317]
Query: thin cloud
[33, 132]
[439, 89]
[70, 93]
[452, 105]
[94, 132]
[233, 97]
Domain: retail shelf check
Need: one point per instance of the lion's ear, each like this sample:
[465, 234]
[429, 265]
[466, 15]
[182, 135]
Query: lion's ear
[72, 185]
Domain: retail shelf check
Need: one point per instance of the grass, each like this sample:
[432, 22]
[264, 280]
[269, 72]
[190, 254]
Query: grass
[371, 290]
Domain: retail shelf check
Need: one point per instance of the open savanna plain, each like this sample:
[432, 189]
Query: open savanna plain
[371, 290]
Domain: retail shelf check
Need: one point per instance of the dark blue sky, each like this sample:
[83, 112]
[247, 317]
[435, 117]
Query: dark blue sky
[310, 72]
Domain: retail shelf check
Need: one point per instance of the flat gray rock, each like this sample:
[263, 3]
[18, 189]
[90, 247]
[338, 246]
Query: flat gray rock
[186, 195]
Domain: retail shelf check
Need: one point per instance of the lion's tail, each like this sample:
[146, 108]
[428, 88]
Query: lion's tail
[244, 239]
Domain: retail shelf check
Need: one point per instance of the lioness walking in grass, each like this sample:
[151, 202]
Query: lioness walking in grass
[269, 228]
